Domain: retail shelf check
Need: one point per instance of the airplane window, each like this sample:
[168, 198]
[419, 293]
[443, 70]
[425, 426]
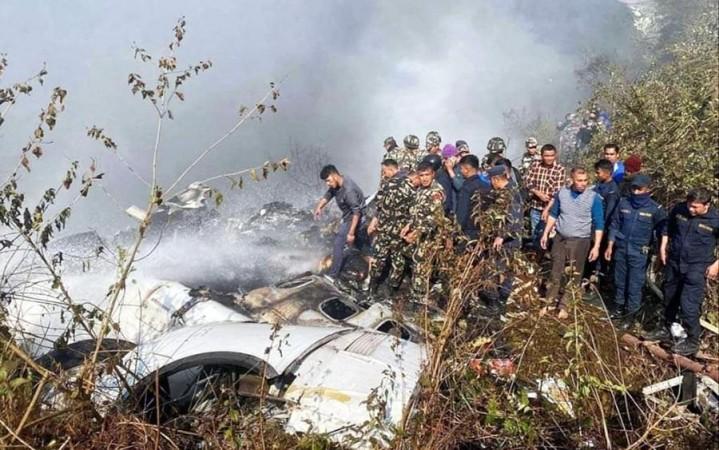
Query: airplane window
[336, 309]
[395, 329]
[196, 388]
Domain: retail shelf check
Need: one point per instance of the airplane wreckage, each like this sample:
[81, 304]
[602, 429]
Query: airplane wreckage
[314, 356]
[319, 356]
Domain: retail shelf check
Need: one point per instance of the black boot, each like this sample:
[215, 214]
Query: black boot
[617, 312]
[493, 308]
[688, 347]
[660, 334]
[627, 321]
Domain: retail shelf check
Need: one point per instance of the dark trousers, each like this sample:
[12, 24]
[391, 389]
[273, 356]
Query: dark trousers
[504, 277]
[601, 267]
[630, 273]
[567, 252]
[338, 248]
[684, 294]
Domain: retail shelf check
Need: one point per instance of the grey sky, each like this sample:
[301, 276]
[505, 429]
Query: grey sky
[356, 73]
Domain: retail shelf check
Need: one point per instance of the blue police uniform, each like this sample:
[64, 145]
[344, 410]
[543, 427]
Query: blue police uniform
[632, 230]
[692, 245]
[444, 180]
[609, 191]
[463, 206]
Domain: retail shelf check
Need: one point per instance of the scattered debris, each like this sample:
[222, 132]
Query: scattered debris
[662, 385]
[556, 392]
[680, 361]
[499, 367]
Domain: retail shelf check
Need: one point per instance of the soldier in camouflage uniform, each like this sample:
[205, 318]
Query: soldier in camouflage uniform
[495, 146]
[407, 157]
[393, 201]
[531, 155]
[432, 144]
[500, 218]
[389, 144]
[427, 215]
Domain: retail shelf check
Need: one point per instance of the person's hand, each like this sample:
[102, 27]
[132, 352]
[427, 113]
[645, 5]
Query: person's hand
[713, 271]
[350, 239]
[448, 244]
[318, 213]
[372, 227]
[543, 241]
[541, 195]
[410, 237]
[545, 215]
[497, 245]
[608, 254]
[594, 254]
[663, 255]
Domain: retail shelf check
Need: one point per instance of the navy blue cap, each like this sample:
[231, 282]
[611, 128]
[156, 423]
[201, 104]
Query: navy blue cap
[641, 181]
[497, 170]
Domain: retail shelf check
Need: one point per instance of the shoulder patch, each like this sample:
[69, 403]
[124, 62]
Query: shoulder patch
[645, 214]
[681, 217]
[437, 196]
[705, 227]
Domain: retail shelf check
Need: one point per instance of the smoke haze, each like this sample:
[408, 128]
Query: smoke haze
[355, 73]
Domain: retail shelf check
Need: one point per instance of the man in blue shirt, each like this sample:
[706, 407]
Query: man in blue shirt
[608, 189]
[575, 211]
[631, 233]
[611, 153]
[350, 199]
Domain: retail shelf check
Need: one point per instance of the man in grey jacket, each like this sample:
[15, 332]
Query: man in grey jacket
[574, 211]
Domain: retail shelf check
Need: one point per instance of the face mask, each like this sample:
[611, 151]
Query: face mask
[640, 200]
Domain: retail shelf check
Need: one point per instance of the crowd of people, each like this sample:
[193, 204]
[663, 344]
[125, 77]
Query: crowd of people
[604, 231]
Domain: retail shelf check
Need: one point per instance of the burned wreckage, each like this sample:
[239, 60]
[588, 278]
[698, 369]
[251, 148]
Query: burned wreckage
[324, 361]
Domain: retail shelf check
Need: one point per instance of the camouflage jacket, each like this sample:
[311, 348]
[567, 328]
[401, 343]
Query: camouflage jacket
[393, 201]
[499, 214]
[527, 161]
[407, 159]
[427, 211]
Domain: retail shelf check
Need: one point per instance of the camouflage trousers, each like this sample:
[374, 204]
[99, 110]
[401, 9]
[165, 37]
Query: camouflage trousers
[423, 258]
[388, 248]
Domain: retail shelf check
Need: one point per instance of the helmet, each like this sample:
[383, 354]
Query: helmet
[496, 145]
[434, 160]
[390, 141]
[411, 142]
[530, 142]
[433, 138]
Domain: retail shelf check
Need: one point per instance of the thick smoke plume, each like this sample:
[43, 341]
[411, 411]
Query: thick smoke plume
[354, 73]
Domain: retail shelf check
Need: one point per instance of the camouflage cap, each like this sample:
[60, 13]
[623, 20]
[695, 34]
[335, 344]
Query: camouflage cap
[390, 141]
[411, 142]
[433, 138]
[496, 145]
[531, 142]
